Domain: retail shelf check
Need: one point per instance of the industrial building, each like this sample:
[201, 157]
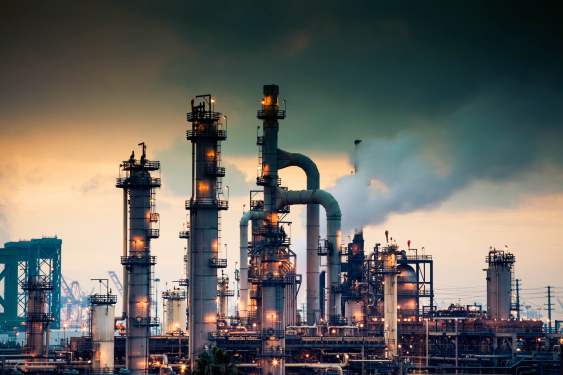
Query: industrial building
[370, 309]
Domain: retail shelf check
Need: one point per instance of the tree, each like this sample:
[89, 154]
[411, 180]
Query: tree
[215, 362]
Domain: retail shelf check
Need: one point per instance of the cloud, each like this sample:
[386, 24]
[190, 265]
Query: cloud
[498, 137]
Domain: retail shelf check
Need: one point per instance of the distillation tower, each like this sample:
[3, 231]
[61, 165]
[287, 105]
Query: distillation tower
[272, 268]
[139, 192]
[206, 132]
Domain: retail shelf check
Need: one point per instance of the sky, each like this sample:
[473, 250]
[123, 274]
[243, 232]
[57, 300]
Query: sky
[458, 106]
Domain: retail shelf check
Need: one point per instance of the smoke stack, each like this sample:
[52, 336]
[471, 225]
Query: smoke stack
[356, 161]
[387, 236]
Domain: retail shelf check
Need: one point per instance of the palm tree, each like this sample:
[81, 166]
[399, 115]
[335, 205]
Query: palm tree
[215, 362]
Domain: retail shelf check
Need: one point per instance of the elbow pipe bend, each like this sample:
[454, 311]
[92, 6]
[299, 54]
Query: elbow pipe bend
[317, 196]
[251, 215]
[292, 159]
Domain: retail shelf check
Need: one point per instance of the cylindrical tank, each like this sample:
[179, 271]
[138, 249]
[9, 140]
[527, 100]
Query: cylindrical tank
[175, 312]
[499, 284]
[102, 325]
[406, 291]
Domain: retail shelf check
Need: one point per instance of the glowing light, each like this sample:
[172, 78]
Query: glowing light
[275, 362]
[202, 187]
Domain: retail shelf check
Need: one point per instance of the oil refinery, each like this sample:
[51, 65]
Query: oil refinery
[370, 308]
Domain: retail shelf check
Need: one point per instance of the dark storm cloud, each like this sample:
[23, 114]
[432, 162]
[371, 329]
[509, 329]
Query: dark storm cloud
[456, 91]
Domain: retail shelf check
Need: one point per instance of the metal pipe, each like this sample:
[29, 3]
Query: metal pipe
[288, 159]
[326, 366]
[333, 218]
[243, 261]
[124, 277]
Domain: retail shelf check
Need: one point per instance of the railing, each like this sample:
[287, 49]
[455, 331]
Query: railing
[207, 203]
[226, 293]
[175, 294]
[203, 116]
[42, 284]
[148, 165]
[270, 113]
[141, 259]
[270, 278]
[153, 233]
[126, 182]
[267, 180]
[103, 299]
[259, 140]
[143, 321]
[39, 317]
[256, 204]
[155, 216]
[184, 234]
[217, 262]
[322, 250]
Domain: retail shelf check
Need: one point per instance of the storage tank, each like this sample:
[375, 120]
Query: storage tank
[102, 314]
[407, 291]
[175, 305]
[499, 284]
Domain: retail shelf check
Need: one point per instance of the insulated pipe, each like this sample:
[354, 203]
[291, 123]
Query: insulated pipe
[288, 159]
[243, 261]
[333, 221]
[124, 253]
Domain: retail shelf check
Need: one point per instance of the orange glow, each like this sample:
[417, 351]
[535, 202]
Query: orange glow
[202, 187]
[265, 169]
[274, 218]
[268, 100]
[215, 246]
[210, 154]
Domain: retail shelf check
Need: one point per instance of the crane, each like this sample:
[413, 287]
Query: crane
[115, 280]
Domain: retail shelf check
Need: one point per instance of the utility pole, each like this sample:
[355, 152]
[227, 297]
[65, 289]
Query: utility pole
[517, 299]
[549, 309]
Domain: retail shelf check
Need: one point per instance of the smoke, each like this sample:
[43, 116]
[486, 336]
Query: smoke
[496, 137]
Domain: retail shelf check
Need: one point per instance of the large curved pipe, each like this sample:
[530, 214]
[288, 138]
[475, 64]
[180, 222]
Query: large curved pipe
[333, 231]
[244, 297]
[290, 159]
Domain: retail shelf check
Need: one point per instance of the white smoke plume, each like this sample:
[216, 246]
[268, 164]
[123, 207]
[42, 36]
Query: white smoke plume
[496, 137]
